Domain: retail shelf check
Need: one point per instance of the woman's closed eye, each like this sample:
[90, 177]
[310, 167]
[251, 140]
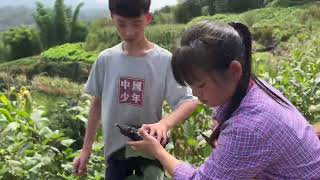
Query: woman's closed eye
[201, 85]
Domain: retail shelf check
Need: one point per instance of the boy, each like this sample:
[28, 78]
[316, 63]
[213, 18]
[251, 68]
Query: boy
[129, 83]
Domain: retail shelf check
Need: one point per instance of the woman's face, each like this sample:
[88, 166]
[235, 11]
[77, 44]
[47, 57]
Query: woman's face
[217, 88]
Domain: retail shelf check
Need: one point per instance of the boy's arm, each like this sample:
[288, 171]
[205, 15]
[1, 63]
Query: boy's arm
[178, 116]
[93, 122]
[79, 164]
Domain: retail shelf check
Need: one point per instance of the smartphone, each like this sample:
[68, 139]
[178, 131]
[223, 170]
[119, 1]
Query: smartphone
[129, 131]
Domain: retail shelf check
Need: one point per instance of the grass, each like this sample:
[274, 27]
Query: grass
[56, 86]
[22, 65]
[45, 100]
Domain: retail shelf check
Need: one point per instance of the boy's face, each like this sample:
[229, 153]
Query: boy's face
[131, 29]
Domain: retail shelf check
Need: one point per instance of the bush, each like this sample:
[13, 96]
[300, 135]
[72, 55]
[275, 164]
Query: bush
[69, 52]
[166, 36]
[106, 37]
[23, 42]
[30, 149]
[270, 26]
[4, 52]
[296, 73]
[100, 38]
[288, 3]
[237, 6]
[187, 143]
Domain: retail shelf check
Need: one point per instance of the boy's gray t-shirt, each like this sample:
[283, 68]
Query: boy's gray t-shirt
[133, 90]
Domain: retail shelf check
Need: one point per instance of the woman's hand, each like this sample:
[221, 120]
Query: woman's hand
[158, 130]
[149, 144]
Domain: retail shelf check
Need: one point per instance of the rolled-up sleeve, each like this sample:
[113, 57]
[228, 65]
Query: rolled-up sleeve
[242, 153]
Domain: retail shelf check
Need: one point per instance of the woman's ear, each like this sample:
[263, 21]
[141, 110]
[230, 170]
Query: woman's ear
[235, 68]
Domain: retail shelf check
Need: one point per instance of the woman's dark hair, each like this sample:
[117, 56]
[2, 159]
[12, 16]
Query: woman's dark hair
[210, 46]
[129, 8]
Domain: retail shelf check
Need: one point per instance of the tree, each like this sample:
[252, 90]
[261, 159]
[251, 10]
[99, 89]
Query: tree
[187, 10]
[59, 25]
[61, 22]
[45, 22]
[23, 42]
[78, 29]
[236, 5]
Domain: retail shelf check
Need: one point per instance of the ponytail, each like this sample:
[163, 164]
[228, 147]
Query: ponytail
[243, 84]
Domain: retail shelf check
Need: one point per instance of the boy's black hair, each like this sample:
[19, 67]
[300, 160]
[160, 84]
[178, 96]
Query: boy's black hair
[129, 8]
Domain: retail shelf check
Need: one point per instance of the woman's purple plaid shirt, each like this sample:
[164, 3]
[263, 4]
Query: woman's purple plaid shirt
[262, 140]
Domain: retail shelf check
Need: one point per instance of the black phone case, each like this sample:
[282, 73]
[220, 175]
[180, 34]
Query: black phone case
[129, 131]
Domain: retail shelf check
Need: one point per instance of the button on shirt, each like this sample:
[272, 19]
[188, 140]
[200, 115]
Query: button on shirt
[261, 140]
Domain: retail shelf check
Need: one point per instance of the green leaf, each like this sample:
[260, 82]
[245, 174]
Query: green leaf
[44, 131]
[192, 142]
[6, 114]
[5, 100]
[13, 126]
[67, 142]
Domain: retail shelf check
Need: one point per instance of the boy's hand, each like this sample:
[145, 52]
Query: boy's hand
[158, 130]
[80, 163]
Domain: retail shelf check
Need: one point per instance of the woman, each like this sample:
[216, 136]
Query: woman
[260, 133]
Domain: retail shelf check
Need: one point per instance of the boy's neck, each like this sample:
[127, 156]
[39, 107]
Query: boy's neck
[137, 48]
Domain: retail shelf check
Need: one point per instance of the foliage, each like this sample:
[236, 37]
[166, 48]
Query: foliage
[187, 143]
[270, 26]
[164, 15]
[166, 36]
[105, 36]
[101, 36]
[288, 3]
[30, 149]
[236, 6]
[69, 52]
[22, 41]
[61, 22]
[59, 25]
[76, 71]
[20, 66]
[296, 74]
[4, 50]
[186, 11]
[56, 86]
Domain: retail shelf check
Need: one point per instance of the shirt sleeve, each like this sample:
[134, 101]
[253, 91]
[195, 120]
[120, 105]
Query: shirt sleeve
[176, 94]
[95, 82]
[242, 153]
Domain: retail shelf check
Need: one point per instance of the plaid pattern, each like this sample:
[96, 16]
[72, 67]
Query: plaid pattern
[262, 140]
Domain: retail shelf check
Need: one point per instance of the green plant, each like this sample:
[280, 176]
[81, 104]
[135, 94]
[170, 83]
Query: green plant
[58, 25]
[56, 86]
[296, 73]
[23, 42]
[187, 143]
[69, 52]
[30, 149]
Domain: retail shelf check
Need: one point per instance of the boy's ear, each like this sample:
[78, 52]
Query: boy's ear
[149, 18]
[111, 15]
[236, 70]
